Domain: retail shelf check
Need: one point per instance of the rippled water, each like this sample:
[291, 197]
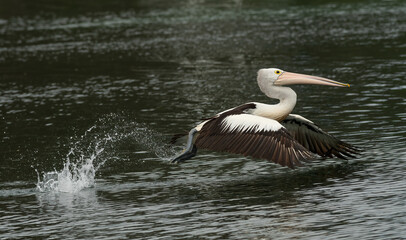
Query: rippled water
[91, 92]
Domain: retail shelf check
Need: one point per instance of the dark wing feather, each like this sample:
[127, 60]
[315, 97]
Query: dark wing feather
[315, 139]
[274, 145]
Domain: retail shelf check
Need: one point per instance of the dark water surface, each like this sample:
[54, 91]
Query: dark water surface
[91, 91]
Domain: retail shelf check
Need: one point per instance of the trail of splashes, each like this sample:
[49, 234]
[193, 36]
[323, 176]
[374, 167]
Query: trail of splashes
[96, 146]
[138, 134]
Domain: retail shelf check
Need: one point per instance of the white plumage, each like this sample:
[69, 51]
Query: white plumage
[249, 123]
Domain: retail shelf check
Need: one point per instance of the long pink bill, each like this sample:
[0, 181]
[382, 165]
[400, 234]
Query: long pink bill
[288, 78]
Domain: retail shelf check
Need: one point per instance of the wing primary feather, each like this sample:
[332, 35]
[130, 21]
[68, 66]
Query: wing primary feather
[274, 150]
[277, 151]
[313, 138]
[247, 147]
[247, 143]
[254, 146]
[263, 149]
[289, 158]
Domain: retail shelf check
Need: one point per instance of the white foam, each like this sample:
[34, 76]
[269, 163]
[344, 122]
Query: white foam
[73, 177]
[97, 145]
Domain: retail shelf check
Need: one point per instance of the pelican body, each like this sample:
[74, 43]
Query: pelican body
[267, 131]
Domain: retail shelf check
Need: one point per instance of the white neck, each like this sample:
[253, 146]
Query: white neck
[287, 101]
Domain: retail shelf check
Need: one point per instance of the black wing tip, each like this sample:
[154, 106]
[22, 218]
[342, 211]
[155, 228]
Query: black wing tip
[349, 150]
[295, 157]
[342, 150]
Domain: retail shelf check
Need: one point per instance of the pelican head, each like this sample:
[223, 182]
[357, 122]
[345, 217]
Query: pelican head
[278, 77]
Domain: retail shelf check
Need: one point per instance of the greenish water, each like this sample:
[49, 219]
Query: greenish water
[92, 91]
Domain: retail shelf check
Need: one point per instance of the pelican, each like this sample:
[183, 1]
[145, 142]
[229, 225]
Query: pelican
[267, 131]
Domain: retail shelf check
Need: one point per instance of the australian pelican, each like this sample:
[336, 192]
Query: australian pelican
[269, 131]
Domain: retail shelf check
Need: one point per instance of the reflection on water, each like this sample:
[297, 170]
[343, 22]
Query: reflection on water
[105, 85]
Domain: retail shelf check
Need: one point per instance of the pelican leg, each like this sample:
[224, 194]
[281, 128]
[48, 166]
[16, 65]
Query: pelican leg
[190, 150]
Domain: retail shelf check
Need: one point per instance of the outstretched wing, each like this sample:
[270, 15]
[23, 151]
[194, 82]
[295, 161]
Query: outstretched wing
[313, 138]
[253, 136]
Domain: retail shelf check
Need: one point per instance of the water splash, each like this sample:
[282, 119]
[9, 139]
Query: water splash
[97, 145]
[79, 169]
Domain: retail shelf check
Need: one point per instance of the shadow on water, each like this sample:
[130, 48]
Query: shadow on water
[218, 178]
[277, 186]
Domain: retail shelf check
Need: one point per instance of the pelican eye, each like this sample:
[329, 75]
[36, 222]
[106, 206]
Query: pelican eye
[278, 72]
